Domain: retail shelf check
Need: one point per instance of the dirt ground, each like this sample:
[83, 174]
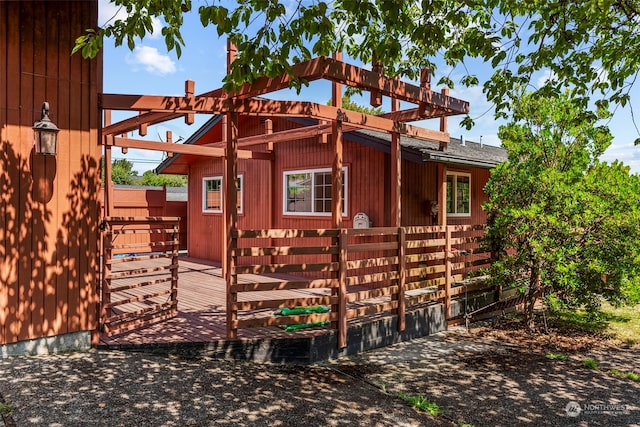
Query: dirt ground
[485, 377]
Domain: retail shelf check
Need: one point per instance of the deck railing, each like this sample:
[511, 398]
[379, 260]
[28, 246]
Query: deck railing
[357, 272]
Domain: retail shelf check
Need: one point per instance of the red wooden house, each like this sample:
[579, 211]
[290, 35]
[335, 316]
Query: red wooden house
[293, 190]
[288, 186]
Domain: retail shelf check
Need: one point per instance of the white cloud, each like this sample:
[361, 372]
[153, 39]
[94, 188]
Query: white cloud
[152, 60]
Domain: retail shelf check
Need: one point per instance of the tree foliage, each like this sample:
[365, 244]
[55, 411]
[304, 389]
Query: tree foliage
[153, 179]
[348, 104]
[556, 213]
[122, 172]
[586, 46]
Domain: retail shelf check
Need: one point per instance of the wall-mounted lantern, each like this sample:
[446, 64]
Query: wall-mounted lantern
[46, 133]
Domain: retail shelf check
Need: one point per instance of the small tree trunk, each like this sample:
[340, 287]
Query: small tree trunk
[532, 296]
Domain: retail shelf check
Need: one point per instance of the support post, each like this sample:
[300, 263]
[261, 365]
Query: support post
[189, 89]
[169, 141]
[174, 270]
[108, 182]
[396, 173]
[336, 222]
[447, 274]
[402, 278]
[105, 300]
[336, 175]
[268, 130]
[425, 82]
[142, 128]
[342, 289]
[442, 195]
[231, 222]
[375, 95]
[336, 88]
[444, 121]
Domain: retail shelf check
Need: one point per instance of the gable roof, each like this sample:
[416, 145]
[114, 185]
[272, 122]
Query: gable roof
[457, 152]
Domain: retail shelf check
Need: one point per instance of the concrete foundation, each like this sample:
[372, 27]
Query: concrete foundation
[77, 341]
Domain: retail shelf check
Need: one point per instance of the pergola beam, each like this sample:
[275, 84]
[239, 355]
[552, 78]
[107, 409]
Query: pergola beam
[323, 67]
[308, 71]
[369, 80]
[182, 148]
[282, 136]
[149, 118]
[263, 107]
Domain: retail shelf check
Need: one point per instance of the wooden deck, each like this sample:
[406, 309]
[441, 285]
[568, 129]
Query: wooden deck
[201, 310]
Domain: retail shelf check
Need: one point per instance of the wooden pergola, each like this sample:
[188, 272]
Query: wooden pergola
[332, 120]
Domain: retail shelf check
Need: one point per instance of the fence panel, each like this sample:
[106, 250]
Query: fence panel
[138, 288]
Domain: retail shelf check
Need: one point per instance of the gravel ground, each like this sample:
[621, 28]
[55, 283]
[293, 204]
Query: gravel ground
[475, 379]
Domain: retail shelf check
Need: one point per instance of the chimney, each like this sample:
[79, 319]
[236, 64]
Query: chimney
[462, 141]
[481, 142]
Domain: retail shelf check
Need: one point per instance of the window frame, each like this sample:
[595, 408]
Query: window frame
[313, 171]
[220, 178]
[454, 193]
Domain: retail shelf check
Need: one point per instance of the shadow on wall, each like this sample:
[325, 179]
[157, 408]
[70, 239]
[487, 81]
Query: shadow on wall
[48, 243]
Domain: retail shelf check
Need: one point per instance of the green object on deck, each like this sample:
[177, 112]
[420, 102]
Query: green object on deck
[297, 326]
[310, 309]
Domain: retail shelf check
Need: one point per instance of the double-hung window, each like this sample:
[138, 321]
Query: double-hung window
[212, 194]
[458, 194]
[308, 192]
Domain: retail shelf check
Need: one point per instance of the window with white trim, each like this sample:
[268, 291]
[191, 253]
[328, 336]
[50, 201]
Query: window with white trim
[458, 194]
[212, 194]
[309, 192]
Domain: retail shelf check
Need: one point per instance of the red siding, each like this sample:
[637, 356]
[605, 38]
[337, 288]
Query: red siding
[367, 191]
[206, 229]
[479, 178]
[49, 208]
[142, 202]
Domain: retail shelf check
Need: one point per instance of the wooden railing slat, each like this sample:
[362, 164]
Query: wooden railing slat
[284, 233]
[138, 271]
[282, 320]
[283, 285]
[364, 247]
[280, 303]
[372, 262]
[285, 250]
[286, 268]
[139, 298]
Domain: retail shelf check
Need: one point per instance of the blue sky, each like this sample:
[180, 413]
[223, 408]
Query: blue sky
[150, 70]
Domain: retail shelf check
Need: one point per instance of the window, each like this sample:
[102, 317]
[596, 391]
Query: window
[212, 191]
[309, 192]
[458, 194]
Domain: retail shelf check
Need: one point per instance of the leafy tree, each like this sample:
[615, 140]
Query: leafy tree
[122, 172]
[586, 46]
[556, 213]
[153, 179]
[348, 104]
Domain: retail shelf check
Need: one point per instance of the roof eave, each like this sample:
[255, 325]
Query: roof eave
[461, 161]
[190, 141]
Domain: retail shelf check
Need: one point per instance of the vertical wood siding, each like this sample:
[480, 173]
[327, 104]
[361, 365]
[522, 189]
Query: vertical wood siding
[143, 202]
[49, 205]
